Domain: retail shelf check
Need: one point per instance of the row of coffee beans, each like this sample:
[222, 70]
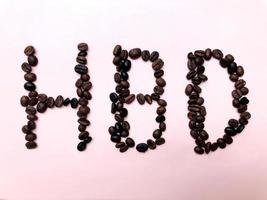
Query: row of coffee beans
[122, 96]
[38, 102]
[197, 111]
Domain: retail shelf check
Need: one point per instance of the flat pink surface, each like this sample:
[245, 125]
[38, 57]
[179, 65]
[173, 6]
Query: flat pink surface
[57, 171]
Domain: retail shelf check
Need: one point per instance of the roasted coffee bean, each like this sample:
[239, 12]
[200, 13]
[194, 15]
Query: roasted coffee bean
[31, 125]
[115, 138]
[244, 101]
[124, 54]
[125, 65]
[154, 56]
[33, 101]
[151, 144]
[66, 102]
[83, 121]
[79, 83]
[88, 139]
[240, 128]
[31, 145]
[29, 50]
[236, 94]
[160, 118]
[208, 54]
[135, 53]
[83, 135]
[229, 58]
[148, 99]
[123, 112]
[113, 97]
[82, 53]
[160, 141]
[228, 139]
[84, 110]
[191, 64]
[199, 150]
[32, 117]
[140, 98]
[124, 76]
[81, 146]
[25, 129]
[200, 69]
[30, 137]
[162, 102]
[157, 134]
[161, 82]
[191, 74]
[190, 56]
[142, 147]
[155, 96]
[85, 77]
[233, 77]
[81, 60]
[145, 55]
[216, 53]
[199, 53]
[29, 86]
[26, 67]
[50, 102]
[87, 85]
[24, 101]
[130, 142]
[81, 69]
[31, 77]
[124, 134]
[230, 131]
[158, 90]
[243, 121]
[204, 135]
[244, 90]
[117, 77]
[161, 110]
[59, 101]
[157, 64]
[42, 97]
[83, 46]
[30, 110]
[117, 50]
[224, 63]
[232, 68]
[120, 144]
[245, 115]
[214, 146]
[81, 128]
[240, 84]
[221, 143]
[233, 123]
[162, 126]
[32, 60]
[116, 60]
[130, 99]
[242, 108]
[240, 71]
[124, 149]
[33, 94]
[207, 147]
[199, 60]
[158, 73]
[41, 107]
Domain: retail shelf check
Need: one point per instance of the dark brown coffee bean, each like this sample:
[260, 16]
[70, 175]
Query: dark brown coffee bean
[221, 143]
[59, 101]
[24, 101]
[142, 147]
[130, 99]
[157, 134]
[85, 77]
[29, 86]
[87, 85]
[26, 67]
[245, 115]
[120, 144]
[29, 50]
[158, 73]
[42, 97]
[31, 145]
[157, 90]
[83, 47]
[160, 141]
[81, 146]
[117, 50]
[81, 60]
[117, 78]
[233, 123]
[41, 107]
[83, 122]
[81, 128]
[155, 96]
[199, 150]
[87, 95]
[50, 102]
[135, 53]
[204, 135]
[161, 82]
[33, 101]
[84, 110]
[191, 64]
[25, 129]
[31, 77]
[124, 149]
[79, 83]
[154, 56]
[208, 54]
[161, 110]
[33, 94]
[188, 89]
[199, 53]
[216, 53]
[200, 69]
[151, 144]
[32, 117]
[83, 101]
[229, 58]
[240, 84]
[30, 110]
[233, 77]
[162, 126]
[31, 125]
[199, 61]
[81, 69]
[83, 135]
[148, 99]
[191, 74]
[141, 99]
[130, 142]
[244, 90]
[124, 54]
[30, 137]
[32, 60]
[162, 102]
[240, 71]
[235, 103]
[157, 64]
[236, 94]
[82, 53]
[145, 55]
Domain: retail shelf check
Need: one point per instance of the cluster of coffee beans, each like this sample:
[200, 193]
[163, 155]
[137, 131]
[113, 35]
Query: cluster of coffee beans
[123, 96]
[38, 102]
[197, 111]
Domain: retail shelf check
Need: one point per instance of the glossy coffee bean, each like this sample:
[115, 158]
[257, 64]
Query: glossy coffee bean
[81, 60]
[221, 143]
[74, 103]
[199, 150]
[30, 137]
[244, 101]
[157, 64]
[31, 77]
[32, 60]
[216, 53]
[207, 147]
[230, 131]
[142, 147]
[32, 117]
[29, 50]
[240, 71]
[135, 53]
[117, 50]
[83, 46]
[145, 55]
[154, 56]
[160, 141]
[157, 134]
[81, 146]
[115, 138]
[83, 135]
[208, 54]
[113, 97]
[161, 110]
[140, 98]
[148, 99]
[120, 144]
[31, 145]
[161, 82]
[151, 144]
[29, 86]
[124, 149]
[130, 142]
[81, 69]
[59, 101]
[30, 110]
[188, 89]
[158, 73]
[26, 67]
[240, 128]
[130, 99]
[214, 146]
[228, 139]
[24, 101]
[233, 123]
[41, 107]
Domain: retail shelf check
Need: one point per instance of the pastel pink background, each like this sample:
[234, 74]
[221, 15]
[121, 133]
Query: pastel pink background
[56, 170]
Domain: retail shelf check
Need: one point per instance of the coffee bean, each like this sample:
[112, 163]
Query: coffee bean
[160, 141]
[240, 128]
[32, 60]
[85, 77]
[81, 146]
[188, 89]
[141, 99]
[240, 84]
[117, 50]
[29, 50]
[83, 46]
[243, 121]
[66, 102]
[229, 58]
[191, 74]
[30, 110]
[244, 101]
[199, 53]
[200, 69]
[161, 82]
[236, 94]
[233, 77]
[130, 142]
[130, 99]
[81, 60]
[191, 64]
[120, 144]
[31, 145]
[244, 90]
[221, 143]
[208, 54]
[204, 135]
[83, 135]
[230, 131]
[82, 53]
[228, 139]
[29, 86]
[208, 147]
[81, 128]
[240, 71]
[158, 73]
[113, 97]
[157, 64]
[161, 110]
[115, 138]
[199, 150]
[26, 67]
[81, 69]
[88, 139]
[142, 147]
[31, 77]
[59, 101]
[24, 101]
[124, 54]
[199, 60]
[224, 63]
[41, 107]
[30, 137]
[154, 56]
[232, 68]
[33, 101]
[83, 121]
[162, 126]
[159, 91]
[233, 123]
[42, 97]
[33, 94]
[32, 117]
[124, 149]
[124, 76]
[216, 53]
[145, 55]
[84, 110]
[125, 125]
[214, 146]
[50, 102]
[245, 115]
[151, 144]
[135, 53]
[148, 99]
[157, 134]
[124, 134]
